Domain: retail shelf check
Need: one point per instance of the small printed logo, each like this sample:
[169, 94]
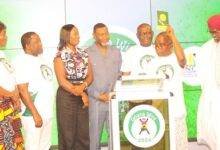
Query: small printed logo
[165, 71]
[7, 65]
[145, 61]
[47, 72]
[144, 126]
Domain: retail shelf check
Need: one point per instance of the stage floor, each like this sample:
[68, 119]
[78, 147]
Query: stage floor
[192, 146]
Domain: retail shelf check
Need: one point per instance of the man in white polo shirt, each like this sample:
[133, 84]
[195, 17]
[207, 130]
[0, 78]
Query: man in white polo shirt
[137, 57]
[34, 79]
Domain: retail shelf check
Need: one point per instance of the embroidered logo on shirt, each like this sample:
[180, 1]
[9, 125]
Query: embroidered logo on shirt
[7, 65]
[47, 72]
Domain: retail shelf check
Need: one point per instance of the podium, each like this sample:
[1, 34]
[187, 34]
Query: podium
[139, 115]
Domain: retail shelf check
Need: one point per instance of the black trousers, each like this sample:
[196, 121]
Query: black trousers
[72, 122]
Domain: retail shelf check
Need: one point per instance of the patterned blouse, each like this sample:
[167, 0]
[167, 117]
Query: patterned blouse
[76, 64]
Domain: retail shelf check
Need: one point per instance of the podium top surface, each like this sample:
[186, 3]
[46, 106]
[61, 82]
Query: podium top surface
[141, 80]
[140, 77]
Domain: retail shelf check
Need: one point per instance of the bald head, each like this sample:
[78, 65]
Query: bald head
[145, 34]
[143, 25]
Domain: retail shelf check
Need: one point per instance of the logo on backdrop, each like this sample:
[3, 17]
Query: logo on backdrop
[144, 126]
[120, 37]
[190, 64]
[191, 69]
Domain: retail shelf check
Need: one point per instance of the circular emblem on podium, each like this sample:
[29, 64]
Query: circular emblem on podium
[144, 126]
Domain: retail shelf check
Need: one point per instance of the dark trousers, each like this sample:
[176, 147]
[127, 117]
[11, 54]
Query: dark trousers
[72, 122]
